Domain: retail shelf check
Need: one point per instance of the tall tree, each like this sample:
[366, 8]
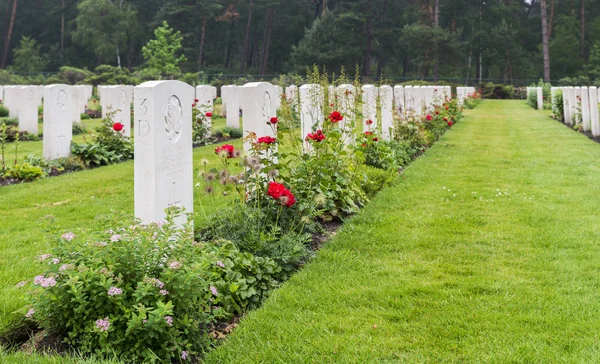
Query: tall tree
[9, 31]
[545, 40]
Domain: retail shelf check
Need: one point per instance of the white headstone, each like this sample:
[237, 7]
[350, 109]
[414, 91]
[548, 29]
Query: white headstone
[331, 95]
[58, 122]
[278, 95]
[206, 95]
[257, 100]
[163, 168]
[447, 93]
[409, 98]
[230, 96]
[399, 103]
[311, 110]
[369, 98]
[117, 100]
[84, 93]
[576, 103]
[1, 94]
[24, 105]
[567, 105]
[386, 98]
[585, 108]
[8, 101]
[540, 98]
[292, 95]
[346, 94]
[460, 95]
[594, 115]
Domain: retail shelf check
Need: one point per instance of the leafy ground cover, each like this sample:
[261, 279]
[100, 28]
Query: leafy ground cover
[484, 250]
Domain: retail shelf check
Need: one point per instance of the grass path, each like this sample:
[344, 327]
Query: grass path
[485, 250]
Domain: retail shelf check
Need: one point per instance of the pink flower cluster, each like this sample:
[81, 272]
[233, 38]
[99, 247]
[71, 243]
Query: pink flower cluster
[68, 236]
[44, 282]
[114, 291]
[157, 283]
[175, 265]
[103, 325]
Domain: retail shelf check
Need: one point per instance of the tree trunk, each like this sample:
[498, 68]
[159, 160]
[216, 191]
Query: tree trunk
[247, 38]
[545, 42]
[470, 59]
[582, 41]
[202, 40]
[11, 25]
[229, 45]
[436, 13]
[267, 41]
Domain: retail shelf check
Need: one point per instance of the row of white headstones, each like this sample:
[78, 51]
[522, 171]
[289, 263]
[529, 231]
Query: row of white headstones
[582, 101]
[163, 126]
[163, 122]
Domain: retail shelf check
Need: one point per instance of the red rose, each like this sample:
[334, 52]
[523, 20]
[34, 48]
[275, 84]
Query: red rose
[450, 123]
[225, 148]
[437, 112]
[375, 139]
[266, 140]
[209, 114]
[369, 122]
[196, 100]
[274, 120]
[335, 116]
[317, 136]
[118, 126]
[368, 133]
[282, 194]
[446, 107]
[445, 119]
[429, 117]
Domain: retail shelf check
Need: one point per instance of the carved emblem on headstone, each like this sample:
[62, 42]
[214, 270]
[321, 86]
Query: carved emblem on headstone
[61, 99]
[123, 98]
[173, 119]
[266, 106]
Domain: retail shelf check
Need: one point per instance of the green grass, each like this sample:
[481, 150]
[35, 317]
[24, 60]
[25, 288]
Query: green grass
[74, 200]
[485, 250]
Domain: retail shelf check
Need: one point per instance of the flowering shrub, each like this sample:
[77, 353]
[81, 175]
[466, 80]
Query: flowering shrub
[109, 145]
[144, 292]
[472, 100]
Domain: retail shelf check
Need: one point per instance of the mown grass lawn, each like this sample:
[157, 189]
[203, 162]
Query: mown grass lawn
[485, 250]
